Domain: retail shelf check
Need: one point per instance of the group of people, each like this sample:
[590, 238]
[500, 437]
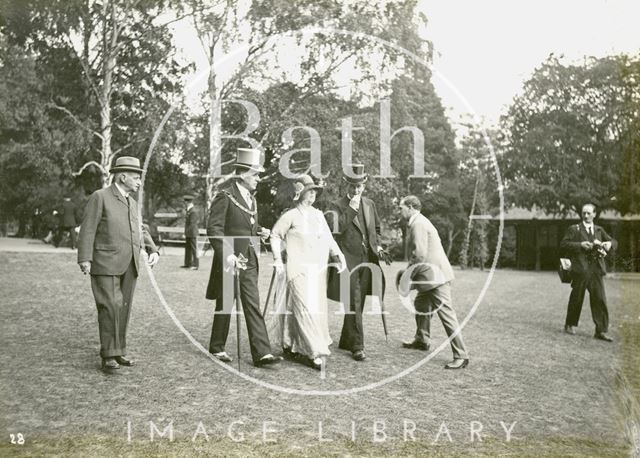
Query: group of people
[335, 254]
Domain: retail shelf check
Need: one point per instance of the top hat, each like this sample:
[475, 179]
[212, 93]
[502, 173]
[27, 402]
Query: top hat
[303, 184]
[356, 174]
[249, 159]
[126, 164]
[187, 197]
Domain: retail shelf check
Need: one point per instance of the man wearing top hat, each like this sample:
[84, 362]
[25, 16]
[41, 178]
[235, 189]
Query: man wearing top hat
[192, 219]
[109, 244]
[235, 236]
[354, 221]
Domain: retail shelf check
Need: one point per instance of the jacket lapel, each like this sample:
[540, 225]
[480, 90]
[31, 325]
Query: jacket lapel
[238, 196]
[118, 195]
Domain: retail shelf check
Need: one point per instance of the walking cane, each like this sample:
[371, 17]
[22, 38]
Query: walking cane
[266, 304]
[241, 264]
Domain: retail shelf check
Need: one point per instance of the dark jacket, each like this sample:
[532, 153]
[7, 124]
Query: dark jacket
[192, 219]
[228, 219]
[585, 262]
[110, 234]
[350, 235]
[68, 214]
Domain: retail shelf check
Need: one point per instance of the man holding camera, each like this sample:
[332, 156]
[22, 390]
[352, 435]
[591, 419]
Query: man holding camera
[587, 245]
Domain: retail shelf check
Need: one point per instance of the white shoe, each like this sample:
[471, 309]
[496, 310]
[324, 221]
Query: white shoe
[223, 356]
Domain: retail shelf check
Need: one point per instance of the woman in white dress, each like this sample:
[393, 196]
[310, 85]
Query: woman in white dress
[308, 245]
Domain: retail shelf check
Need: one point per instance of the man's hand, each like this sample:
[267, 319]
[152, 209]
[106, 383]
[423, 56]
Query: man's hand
[153, 259]
[231, 261]
[278, 266]
[264, 233]
[586, 245]
[342, 261]
[606, 245]
[384, 255]
[85, 267]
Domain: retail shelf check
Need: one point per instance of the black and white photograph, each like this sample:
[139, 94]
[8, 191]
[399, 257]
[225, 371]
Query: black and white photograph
[264, 228]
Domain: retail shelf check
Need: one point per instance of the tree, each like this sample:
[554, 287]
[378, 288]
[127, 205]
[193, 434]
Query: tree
[124, 72]
[224, 24]
[573, 136]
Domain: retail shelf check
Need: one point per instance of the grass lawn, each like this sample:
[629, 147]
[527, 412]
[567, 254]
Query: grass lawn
[567, 395]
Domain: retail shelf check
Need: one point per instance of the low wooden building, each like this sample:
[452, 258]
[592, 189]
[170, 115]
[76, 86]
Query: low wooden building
[538, 236]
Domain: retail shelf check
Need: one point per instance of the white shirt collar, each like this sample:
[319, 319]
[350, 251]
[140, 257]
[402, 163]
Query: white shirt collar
[413, 218]
[587, 225]
[125, 195]
[190, 206]
[245, 193]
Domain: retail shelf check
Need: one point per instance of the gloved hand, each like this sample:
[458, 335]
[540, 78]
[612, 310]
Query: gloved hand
[384, 255]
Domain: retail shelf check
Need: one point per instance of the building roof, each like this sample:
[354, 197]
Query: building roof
[523, 214]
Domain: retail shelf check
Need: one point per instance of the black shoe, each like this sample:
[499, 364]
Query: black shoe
[109, 364]
[359, 355]
[267, 360]
[185, 267]
[457, 363]
[570, 330]
[416, 345]
[124, 361]
[602, 336]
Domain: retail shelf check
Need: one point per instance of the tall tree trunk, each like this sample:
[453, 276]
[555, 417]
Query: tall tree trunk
[109, 43]
[215, 130]
[464, 252]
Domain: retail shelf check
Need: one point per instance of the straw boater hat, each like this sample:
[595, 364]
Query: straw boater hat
[249, 159]
[126, 164]
[358, 171]
[303, 184]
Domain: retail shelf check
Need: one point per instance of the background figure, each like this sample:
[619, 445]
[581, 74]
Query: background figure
[587, 245]
[356, 228]
[305, 327]
[234, 213]
[192, 220]
[423, 250]
[68, 222]
[109, 249]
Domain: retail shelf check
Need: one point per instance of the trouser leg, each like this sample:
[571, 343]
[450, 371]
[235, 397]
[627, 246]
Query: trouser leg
[442, 303]
[578, 287]
[598, 303]
[352, 335]
[113, 294]
[256, 328]
[423, 308]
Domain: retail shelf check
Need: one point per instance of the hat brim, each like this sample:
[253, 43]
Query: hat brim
[356, 180]
[125, 168]
[249, 168]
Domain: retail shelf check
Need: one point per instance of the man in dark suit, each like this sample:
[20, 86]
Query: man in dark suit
[68, 221]
[235, 235]
[587, 244]
[109, 249]
[192, 219]
[354, 221]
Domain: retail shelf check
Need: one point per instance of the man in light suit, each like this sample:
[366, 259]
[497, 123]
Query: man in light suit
[109, 249]
[235, 234]
[192, 219]
[587, 245]
[430, 273]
